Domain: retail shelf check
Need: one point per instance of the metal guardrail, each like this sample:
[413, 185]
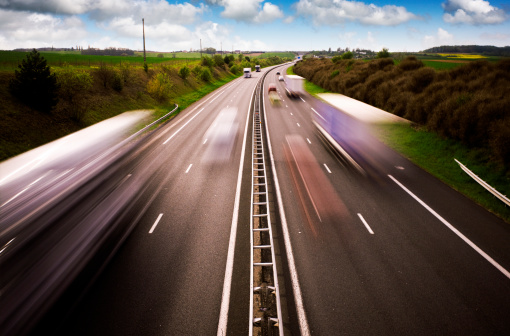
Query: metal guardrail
[484, 184]
[265, 307]
[152, 124]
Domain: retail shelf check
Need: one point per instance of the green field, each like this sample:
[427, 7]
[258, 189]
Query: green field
[9, 60]
[279, 54]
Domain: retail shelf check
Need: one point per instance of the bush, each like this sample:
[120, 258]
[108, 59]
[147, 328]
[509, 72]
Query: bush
[184, 72]
[73, 85]
[336, 59]
[422, 78]
[34, 84]
[125, 70]
[384, 53]
[117, 81]
[160, 86]
[410, 63]
[207, 61]
[347, 55]
[206, 75]
[235, 69]
[72, 82]
[334, 73]
[105, 74]
[197, 70]
[218, 60]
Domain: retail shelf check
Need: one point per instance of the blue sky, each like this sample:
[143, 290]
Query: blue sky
[253, 24]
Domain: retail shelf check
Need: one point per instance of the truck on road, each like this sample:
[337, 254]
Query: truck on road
[257, 68]
[294, 86]
[247, 72]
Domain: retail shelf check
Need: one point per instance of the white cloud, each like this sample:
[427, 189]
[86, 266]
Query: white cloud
[473, 12]
[332, 12]
[104, 10]
[33, 30]
[36, 23]
[252, 11]
[269, 13]
[442, 37]
[289, 19]
[48, 6]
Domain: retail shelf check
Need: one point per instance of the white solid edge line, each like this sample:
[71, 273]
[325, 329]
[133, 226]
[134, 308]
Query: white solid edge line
[155, 223]
[187, 122]
[457, 232]
[227, 283]
[189, 167]
[296, 288]
[365, 223]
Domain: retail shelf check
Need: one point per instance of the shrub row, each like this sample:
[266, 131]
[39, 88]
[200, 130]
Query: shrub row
[470, 103]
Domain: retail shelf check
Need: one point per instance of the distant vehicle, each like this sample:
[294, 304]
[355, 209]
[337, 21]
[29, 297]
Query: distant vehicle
[294, 86]
[280, 78]
[277, 72]
[257, 68]
[272, 87]
[247, 72]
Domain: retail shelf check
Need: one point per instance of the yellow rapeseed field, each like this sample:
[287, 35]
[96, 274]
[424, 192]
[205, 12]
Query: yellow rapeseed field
[466, 56]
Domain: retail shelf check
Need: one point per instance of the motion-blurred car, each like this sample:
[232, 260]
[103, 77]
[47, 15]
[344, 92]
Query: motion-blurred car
[274, 98]
[221, 136]
[280, 78]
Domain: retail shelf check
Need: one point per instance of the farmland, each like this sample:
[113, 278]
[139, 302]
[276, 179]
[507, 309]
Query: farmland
[9, 60]
[450, 60]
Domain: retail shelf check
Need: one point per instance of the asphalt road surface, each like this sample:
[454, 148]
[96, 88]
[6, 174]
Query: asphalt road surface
[385, 252]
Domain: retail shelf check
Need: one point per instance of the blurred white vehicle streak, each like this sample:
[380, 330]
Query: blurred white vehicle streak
[61, 207]
[221, 136]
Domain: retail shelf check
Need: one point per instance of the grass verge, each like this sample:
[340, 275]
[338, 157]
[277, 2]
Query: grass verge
[436, 155]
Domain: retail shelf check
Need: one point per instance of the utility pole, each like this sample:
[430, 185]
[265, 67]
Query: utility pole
[221, 48]
[200, 48]
[143, 28]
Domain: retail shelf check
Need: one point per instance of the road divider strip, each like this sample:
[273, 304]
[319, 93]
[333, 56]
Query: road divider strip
[296, 287]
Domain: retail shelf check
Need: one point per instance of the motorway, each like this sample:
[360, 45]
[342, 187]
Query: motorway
[391, 251]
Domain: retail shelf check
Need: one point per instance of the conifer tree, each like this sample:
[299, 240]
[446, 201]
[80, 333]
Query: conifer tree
[34, 84]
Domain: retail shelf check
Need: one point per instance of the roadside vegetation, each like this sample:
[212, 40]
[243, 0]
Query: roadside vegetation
[461, 113]
[470, 104]
[83, 95]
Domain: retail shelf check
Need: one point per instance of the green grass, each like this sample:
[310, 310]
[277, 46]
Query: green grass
[9, 60]
[436, 155]
[279, 54]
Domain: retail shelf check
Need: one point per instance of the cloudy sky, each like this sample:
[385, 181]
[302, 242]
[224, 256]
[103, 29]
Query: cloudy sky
[170, 25]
